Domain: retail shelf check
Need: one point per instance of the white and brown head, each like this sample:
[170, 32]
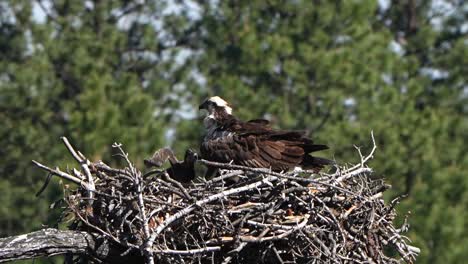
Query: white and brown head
[217, 110]
[216, 104]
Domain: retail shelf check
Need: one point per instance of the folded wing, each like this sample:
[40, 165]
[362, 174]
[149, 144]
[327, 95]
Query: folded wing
[255, 144]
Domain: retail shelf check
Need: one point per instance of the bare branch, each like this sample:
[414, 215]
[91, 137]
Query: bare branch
[50, 242]
[84, 166]
[63, 175]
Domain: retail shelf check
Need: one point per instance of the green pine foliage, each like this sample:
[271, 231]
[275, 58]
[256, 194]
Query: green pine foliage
[86, 73]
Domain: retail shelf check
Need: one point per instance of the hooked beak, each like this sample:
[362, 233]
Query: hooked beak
[204, 105]
[190, 156]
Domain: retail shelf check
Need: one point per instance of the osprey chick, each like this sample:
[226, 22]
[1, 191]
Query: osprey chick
[181, 171]
[254, 143]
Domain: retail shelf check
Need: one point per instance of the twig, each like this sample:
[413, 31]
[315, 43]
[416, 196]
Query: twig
[352, 173]
[141, 205]
[364, 159]
[63, 175]
[139, 184]
[49, 176]
[276, 237]
[277, 174]
[84, 165]
[186, 252]
[224, 177]
[178, 185]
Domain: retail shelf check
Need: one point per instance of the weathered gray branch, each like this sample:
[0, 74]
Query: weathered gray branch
[50, 242]
[47, 242]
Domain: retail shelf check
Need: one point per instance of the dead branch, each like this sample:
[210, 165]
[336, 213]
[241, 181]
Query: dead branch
[50, 242]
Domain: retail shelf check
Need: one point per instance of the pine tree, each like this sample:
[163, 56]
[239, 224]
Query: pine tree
[96, 72]
[434, 52]
[343, 68]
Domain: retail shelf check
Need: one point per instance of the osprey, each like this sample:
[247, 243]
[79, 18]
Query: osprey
[181, 171]
[254, 143]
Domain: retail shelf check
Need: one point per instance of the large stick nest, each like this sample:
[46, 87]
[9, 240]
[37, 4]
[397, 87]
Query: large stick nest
[245, 215]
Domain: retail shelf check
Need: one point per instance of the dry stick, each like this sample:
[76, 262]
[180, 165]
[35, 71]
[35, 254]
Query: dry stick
[276, 237]
[104, 167]
[277, 174]
[63, 175]
[179, 186]
[187, 252]
[131, 198]
[78, 174]
[138, 181]
[278, 256]
[322, 245]
[276, 226]
[46, 183]
[239, 167]
[192, 207]
[141, 205]
[350, 174]
[224, 177]
[413, 249]
[51, 242]
[84, 165]
[238, 249]
[364, 160]
[168, 187]
[241, 246]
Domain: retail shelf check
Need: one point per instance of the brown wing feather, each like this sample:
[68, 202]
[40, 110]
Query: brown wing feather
[276, 145]
[290, 154]
[256, 144]
[270, 151]
[293, 148]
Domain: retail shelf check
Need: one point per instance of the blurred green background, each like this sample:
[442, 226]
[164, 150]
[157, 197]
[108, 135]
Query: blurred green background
[134, 71]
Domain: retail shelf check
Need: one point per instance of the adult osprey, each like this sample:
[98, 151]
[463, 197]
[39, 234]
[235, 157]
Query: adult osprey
[254, 143]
